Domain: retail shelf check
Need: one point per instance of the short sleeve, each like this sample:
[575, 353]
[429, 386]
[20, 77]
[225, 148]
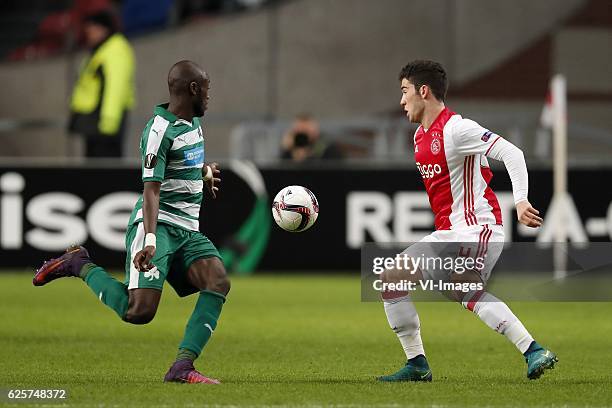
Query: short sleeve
[470, 138]
[154, 151]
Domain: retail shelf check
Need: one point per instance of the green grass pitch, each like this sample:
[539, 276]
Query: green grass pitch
[293, 340]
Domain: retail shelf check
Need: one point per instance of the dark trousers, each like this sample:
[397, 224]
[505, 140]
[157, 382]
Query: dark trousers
[103, 146]
[96, 144]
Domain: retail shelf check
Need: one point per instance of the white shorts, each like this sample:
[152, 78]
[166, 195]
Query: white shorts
[482, 244]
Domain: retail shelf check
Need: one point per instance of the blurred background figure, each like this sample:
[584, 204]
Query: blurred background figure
[104, 92]
[303, 141]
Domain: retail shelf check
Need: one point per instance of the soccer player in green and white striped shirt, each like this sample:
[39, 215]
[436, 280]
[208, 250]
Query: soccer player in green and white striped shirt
[163, 240]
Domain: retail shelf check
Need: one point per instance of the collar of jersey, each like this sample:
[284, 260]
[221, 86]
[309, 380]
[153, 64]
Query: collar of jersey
[435, 120]
[162, 110]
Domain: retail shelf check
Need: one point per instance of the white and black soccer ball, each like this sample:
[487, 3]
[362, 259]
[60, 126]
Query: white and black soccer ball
[295, 208]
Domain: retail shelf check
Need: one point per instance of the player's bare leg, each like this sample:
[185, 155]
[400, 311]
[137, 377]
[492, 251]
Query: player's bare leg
[404, 321]
[142, 305]
[210, 277]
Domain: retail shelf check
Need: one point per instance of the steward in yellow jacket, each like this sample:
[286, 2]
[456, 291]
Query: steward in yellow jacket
[104, 91]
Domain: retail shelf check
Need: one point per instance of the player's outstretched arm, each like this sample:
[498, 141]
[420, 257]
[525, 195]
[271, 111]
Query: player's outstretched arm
[212, 178]
[150, 210]
[514, 160]
[470, 138]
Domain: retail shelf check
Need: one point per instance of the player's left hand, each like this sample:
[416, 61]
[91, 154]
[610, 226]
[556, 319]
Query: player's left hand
[215, 180]
[142, 259]
[527, 215]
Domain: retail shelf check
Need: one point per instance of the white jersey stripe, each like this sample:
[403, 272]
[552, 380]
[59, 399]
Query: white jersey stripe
[180, 165]
[154, 139]
[193, 225]
[191, 209]
[187, 139]
[180, 221]
[182, 186]
[137, 245]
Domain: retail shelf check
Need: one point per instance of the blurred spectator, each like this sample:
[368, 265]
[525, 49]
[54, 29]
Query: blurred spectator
[54, 34]
[104, 91]
[303, 141]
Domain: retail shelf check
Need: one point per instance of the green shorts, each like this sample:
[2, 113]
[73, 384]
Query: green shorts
[176, 250]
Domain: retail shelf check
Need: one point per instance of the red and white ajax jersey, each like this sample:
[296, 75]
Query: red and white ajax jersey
[451, 157]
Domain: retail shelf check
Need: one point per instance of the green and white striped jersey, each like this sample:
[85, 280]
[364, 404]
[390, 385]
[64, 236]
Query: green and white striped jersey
[172, 151]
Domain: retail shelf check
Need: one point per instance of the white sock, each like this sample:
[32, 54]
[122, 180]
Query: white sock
[498, 316]
[404, 321]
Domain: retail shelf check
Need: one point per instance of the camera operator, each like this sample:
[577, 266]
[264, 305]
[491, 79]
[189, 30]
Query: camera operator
[303, 141]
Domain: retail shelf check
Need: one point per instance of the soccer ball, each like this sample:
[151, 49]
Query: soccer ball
[295, 208]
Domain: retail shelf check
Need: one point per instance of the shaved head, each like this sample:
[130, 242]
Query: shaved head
[182, 74]
[188, 85]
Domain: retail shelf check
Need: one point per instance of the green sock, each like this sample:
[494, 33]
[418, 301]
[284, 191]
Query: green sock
[184, 354]
[201, 324]
[85, 269]
[109, 290]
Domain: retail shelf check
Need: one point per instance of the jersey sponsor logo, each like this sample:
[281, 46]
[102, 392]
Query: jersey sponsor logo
[150, 161]
[487, 135]
[194, 156]
[428, 171]
[435, 146]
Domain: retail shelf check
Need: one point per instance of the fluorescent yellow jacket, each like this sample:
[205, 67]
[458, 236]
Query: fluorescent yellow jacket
[105, 88]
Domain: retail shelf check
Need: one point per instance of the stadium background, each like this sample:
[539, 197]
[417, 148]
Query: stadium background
[270, 60]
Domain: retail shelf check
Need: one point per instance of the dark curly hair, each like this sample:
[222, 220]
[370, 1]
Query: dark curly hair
[425, 72]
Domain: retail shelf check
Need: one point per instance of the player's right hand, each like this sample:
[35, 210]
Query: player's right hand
[527, 215]
[142, 260]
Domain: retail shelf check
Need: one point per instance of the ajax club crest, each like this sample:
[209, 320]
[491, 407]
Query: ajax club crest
[435, 146]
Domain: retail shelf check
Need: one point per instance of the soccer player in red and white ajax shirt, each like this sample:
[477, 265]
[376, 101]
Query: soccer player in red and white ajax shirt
[451, 154]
